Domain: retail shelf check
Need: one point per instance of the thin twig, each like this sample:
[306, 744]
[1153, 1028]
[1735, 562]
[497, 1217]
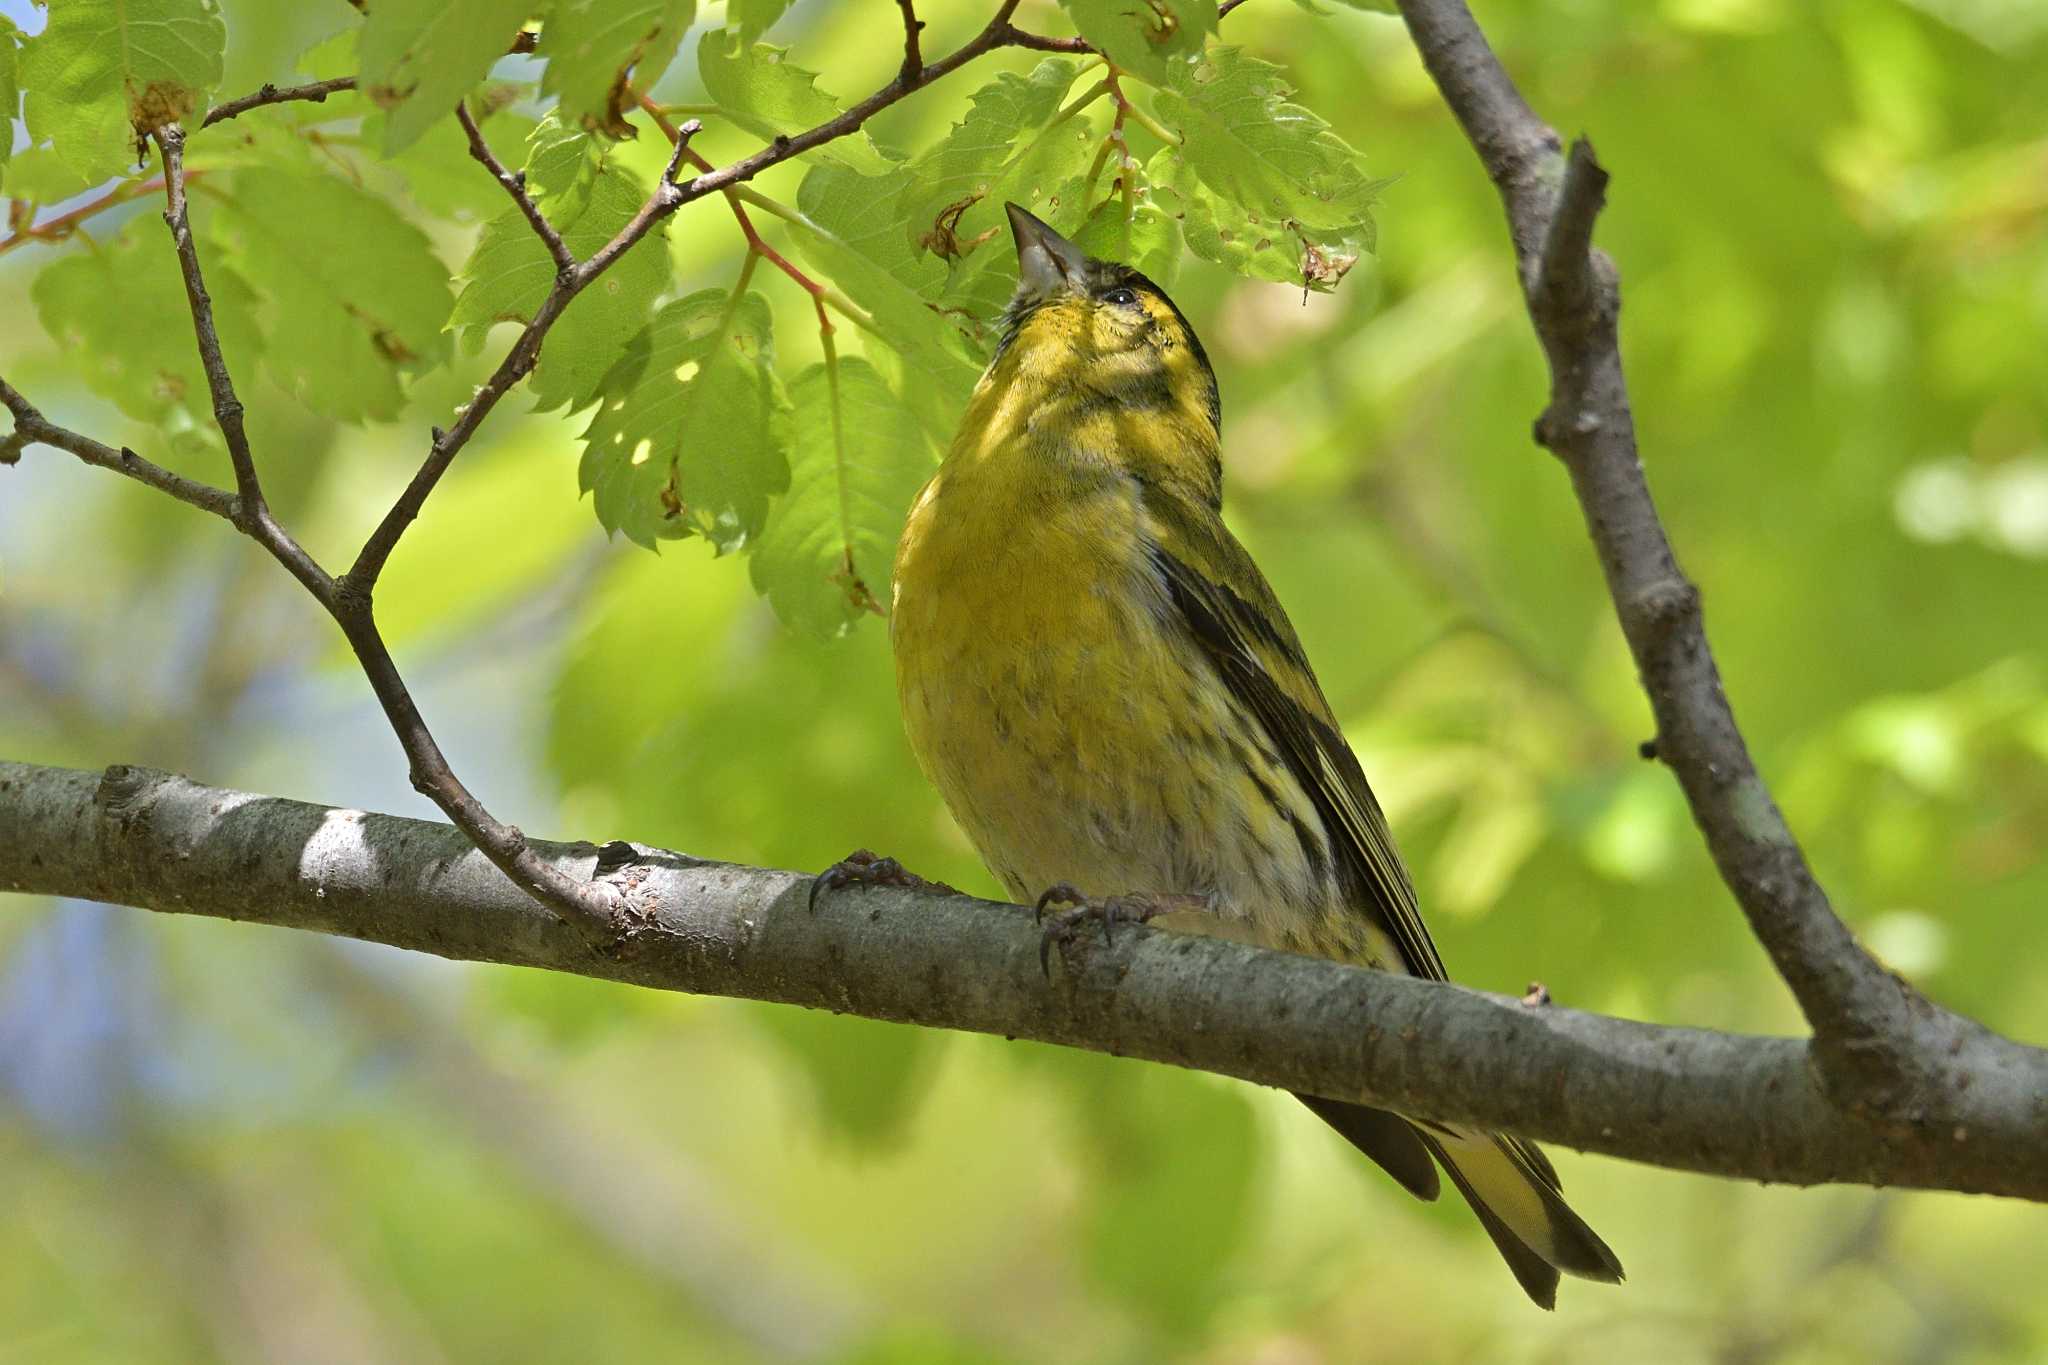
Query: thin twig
[31, 428]
[362, 576]
[514, 184]
[313, 93]
[64, 224]
[1564, 267]
[913, 55]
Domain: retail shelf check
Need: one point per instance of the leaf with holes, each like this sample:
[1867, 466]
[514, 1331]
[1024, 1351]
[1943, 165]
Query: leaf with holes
[594, 47]
[1239, 240]
[352, 294]
[1274, 160]
[588, 197]
[1148, 38]
[690, 433]
[857, 457]
[104, 72]
[421, 56]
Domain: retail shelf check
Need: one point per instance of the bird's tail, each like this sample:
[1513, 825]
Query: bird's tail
[1509, 1183]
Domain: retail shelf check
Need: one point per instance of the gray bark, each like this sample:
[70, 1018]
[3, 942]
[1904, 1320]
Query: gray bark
[1723, 1104]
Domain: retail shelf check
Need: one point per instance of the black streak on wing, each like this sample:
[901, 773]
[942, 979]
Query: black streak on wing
[1225, 625]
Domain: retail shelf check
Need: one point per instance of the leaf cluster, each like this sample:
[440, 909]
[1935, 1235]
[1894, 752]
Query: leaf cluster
[348, 242]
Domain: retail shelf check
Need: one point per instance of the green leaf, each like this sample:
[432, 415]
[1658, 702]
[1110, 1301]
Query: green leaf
[1277, 162]
[588, 197]
[753, 17]
[690, 435]
[757, 89]
[123, 308]
[421, 56]
[1241, 241]
[851, 230]
[953, 198]
[1144, 236]
[105, 72]
[10, 86]
[353, 294]
[592, 45]
[1146, 37]
[856, 460]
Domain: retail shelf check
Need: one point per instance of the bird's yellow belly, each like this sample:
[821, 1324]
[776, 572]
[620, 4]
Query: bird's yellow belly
[1077, 739]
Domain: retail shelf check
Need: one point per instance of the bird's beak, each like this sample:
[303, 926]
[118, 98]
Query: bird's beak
[1047, 263]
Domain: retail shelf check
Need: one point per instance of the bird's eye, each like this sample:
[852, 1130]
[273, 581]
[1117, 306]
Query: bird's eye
[1123, 298]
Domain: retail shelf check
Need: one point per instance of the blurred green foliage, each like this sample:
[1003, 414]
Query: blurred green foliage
[220, 1142]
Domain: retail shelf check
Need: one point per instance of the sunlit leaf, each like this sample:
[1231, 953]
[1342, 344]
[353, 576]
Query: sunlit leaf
[10, 87]
[353, 295]
[1244, 242]
[754, 17]
[1251, 146]
[593, 46]
[690, 434]
[1146, 37]
[1141, 235]
[588, 197]
[123, 307]
[103, 72]
[756, 88]
[421, 56]
[857, 457]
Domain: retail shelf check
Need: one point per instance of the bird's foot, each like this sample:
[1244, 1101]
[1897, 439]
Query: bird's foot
[863, 868]
[1138, 907]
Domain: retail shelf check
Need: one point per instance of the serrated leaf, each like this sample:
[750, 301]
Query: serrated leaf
[437, 170]
[753, 17]
[122, 309]
[10, 86]
[1145, 37]
[1142, 235]
[952, 200]
[857, 457]
[690, 433]
[353, 294]
[591, 46]
[421, 56]
[1273, 159]
[104, 72]
[588, 197]
[851, 230]
[1240, 241]
[757, 89]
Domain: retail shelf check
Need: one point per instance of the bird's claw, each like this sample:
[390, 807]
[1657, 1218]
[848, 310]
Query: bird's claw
[1064, 926]
[863, 868]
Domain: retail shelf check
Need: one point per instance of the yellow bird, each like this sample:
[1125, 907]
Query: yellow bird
[1108, 695]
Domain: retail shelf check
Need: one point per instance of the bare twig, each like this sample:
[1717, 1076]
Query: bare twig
[913, 54]
[30, 428]
[253, 515]
[1688, 1099]
[314, 93]
[1874, 1033]
[514, 184]
[64, 224]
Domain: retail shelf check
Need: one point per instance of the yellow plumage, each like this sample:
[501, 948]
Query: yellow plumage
[1107, 693]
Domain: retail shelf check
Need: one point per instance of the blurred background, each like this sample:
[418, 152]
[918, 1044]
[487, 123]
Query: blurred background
[229, 1142]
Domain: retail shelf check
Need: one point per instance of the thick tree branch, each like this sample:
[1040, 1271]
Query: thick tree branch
[1873, 1031]
[1723, 1104]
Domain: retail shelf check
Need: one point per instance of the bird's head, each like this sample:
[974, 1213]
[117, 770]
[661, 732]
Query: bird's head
[1103, 329]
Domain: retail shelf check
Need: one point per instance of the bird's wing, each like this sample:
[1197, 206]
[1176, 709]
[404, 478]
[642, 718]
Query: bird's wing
[1218, 593]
